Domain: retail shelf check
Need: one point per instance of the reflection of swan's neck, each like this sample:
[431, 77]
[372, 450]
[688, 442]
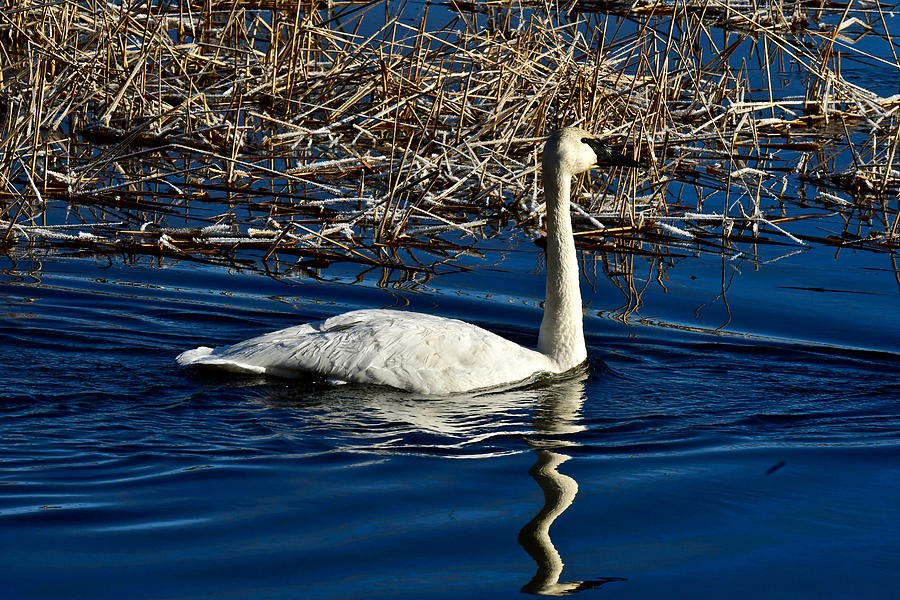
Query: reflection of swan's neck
[559, 492]
[562, 329]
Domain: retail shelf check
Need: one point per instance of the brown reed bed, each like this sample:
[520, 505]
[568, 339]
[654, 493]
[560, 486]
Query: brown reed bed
[309, 132]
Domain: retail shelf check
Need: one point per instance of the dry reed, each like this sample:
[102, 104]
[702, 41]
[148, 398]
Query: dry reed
[272, 130]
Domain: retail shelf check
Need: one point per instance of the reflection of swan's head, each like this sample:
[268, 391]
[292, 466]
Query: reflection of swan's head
[559, 492]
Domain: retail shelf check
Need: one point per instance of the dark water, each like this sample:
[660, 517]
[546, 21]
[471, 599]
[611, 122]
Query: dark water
[680, 464]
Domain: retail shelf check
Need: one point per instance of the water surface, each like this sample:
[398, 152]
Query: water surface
[759, 460]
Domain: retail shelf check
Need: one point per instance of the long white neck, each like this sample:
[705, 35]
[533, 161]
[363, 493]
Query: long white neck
[562, 329]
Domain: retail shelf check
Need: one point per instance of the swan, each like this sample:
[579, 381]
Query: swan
[433, 355]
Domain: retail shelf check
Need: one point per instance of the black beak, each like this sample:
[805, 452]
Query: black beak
[608, 157]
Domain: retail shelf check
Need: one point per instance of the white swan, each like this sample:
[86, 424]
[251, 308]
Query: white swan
[435, 355]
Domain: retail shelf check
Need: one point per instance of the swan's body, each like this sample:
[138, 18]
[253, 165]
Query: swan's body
[435, 355]
[406, 350]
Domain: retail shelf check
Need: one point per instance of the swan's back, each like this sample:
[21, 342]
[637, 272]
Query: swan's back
[411, 351]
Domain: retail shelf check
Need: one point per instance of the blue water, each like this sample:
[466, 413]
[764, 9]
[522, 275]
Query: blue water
[757, 458]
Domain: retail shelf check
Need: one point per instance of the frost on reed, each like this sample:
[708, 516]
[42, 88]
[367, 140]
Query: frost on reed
[269, 130]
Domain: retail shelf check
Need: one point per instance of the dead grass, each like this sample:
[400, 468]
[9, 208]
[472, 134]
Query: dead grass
[282, 131]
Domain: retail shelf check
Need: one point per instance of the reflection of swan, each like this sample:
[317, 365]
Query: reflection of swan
[435, 355]
[559, 492]
[558, 414]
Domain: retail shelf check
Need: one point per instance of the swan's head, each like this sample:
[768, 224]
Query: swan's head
[573, 150]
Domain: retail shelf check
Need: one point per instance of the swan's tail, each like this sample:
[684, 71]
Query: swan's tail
[205, 356]
[190, 357]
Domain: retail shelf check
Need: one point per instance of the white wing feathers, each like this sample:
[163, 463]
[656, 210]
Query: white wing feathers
[411, 351]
